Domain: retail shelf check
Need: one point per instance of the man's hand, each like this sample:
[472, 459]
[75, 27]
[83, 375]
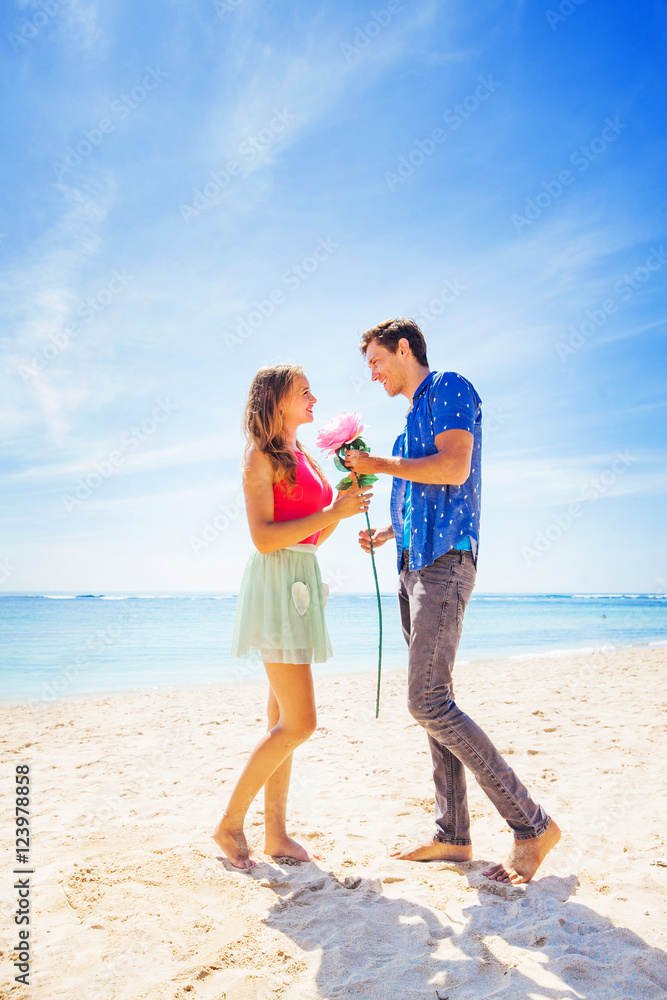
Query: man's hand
[360, 462]
[378, 536]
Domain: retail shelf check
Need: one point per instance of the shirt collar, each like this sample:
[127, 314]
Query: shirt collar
[422, 386]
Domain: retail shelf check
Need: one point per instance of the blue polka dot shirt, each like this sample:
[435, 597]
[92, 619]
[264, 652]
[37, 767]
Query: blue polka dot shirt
[441, 515]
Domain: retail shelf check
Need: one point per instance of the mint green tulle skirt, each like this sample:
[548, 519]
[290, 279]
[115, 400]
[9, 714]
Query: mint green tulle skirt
[280, 610]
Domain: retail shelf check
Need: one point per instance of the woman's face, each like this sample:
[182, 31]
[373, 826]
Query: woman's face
[297, 407]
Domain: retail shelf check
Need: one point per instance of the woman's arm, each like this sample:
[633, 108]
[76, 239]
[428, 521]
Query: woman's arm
[326, 532]
[269, 535]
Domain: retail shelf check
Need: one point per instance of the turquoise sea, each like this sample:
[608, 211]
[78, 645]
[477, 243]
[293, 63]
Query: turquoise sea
[61, 646]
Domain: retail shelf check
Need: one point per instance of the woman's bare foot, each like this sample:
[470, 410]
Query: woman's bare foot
[233, 845]
[435, 850]
[282, 846]
[525, 858]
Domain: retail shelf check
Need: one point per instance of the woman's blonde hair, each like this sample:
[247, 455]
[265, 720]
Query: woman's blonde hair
[263, 423]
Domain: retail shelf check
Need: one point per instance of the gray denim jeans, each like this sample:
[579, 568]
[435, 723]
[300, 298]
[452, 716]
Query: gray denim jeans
[432, 602]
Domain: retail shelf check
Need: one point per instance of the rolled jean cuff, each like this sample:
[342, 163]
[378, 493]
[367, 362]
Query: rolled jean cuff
[453, 842]
[533, 836]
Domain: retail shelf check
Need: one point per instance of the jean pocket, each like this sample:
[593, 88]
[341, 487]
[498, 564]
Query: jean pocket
[463, 595]
[440, 572]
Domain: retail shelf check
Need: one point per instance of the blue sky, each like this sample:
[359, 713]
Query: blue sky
[194, 189]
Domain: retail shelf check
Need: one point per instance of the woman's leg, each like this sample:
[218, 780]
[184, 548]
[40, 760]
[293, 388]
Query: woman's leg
[292, 687]
[276, 787]
[277, 843]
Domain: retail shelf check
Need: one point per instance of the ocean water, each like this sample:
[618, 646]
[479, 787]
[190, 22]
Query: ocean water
[65, 646]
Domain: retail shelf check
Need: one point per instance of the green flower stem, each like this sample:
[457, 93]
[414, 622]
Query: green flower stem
[377, 591]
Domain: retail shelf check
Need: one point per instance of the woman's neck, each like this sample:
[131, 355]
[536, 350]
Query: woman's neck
[289, 437]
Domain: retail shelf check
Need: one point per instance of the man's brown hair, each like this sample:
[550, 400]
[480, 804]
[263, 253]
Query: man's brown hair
[391, 331]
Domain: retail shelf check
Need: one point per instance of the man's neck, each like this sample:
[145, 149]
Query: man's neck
[414, 378]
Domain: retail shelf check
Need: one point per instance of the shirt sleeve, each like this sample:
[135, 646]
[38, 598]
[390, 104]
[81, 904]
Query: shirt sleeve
[453, 404]
[398, 450]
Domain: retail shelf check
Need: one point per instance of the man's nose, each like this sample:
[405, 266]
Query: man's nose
[375, 376]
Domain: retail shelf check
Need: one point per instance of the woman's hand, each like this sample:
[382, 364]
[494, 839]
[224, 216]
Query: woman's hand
[356, 500]
[378, 536]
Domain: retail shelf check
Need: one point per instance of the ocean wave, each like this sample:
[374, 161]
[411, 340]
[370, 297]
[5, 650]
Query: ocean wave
[551, 654]
[617, 597]
[594, 597]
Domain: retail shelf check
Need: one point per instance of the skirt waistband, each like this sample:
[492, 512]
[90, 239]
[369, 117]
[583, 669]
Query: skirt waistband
[303, 547]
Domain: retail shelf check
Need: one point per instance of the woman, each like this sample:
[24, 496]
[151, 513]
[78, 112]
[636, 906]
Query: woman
[280, 609]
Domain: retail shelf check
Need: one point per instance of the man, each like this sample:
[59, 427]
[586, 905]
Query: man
[435, 505]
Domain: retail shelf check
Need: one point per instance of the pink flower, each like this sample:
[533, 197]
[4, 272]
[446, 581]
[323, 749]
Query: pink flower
[339, 431]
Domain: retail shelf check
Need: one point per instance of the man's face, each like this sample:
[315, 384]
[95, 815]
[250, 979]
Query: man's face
[387, 368]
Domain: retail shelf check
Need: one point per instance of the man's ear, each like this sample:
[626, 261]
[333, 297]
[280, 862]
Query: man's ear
[404, 344]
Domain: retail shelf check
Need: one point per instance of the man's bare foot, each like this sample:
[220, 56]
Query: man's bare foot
[525, 858]
[233, 845]
[284, 847]
[435, 850]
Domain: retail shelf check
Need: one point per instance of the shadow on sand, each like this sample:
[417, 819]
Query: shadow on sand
[531, 942]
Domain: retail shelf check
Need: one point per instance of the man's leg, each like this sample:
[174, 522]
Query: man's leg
[438, 596]
[451, 840]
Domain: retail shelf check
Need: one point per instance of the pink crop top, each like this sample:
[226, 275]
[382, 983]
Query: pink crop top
[308, 496]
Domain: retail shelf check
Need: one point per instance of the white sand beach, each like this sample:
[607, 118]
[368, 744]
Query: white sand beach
[131, 900]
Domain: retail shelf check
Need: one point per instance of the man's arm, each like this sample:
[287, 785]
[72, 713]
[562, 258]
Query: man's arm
[378, 536]
[451, 465]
